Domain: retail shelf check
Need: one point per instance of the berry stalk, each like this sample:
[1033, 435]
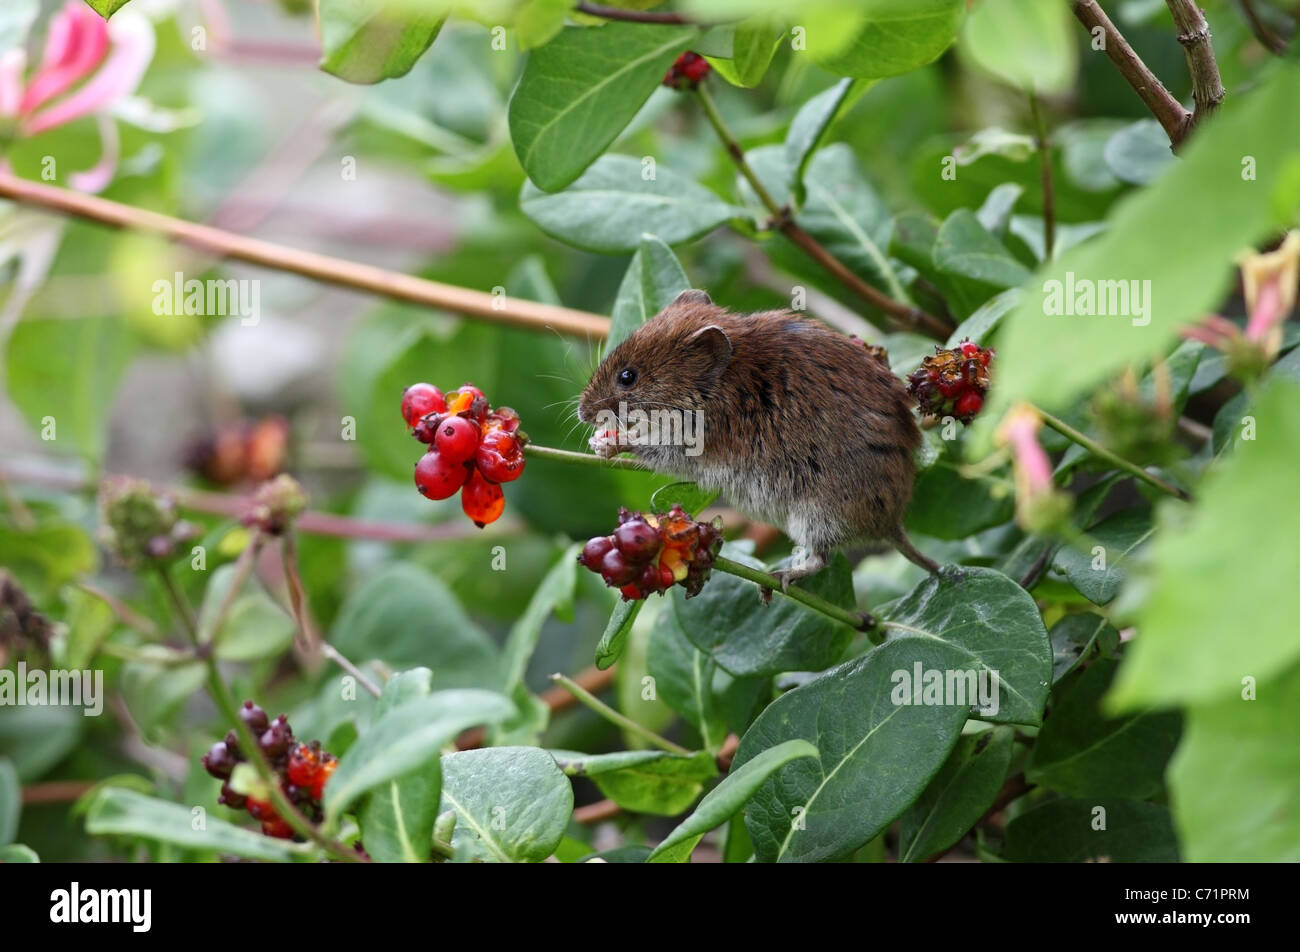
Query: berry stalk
[590, 700]
[859, 621]
[582, 459]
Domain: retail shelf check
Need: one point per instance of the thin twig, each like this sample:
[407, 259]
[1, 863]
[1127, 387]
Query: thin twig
[588, 699]
[1263, 32]
[324, 268]
[903, 315]
[860, 621]
[1096, 449]
[1169, 112]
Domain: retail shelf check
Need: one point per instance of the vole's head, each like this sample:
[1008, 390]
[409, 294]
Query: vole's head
[673, 361]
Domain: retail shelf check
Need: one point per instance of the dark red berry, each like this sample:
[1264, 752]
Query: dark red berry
[437, 477]
[218, 761]
[420, 399]
[229, 798]
[594, 551]
[687, 71]
[278, 828]
[254, 717]
[630, 593]
[426, 428]
[616, 570]
[304, 764]
[232, 744]
[275, 740]
[637, 540]
[457, 439]
[969, 349]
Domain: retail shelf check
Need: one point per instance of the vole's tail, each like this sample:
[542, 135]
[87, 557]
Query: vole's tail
[903, 544]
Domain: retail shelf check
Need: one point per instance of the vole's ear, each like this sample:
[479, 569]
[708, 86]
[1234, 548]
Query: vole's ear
[714, 346]
[692, 296]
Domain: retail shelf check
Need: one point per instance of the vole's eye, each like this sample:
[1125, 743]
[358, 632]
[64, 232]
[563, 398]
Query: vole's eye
[627, 377]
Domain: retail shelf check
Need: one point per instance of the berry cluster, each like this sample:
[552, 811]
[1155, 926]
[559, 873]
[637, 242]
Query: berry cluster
[302, 769]
[652, 553]
[140, 526]
[953, 381]
[472, 448]
[687, 71]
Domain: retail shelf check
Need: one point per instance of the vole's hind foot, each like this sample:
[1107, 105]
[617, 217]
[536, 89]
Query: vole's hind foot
[809, 564]
[903, 544]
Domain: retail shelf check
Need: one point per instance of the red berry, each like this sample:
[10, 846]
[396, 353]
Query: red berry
[950, 388]
[482, 501]
[615, 569]
[969, 349]
[437, 477]
[278, 828]
[304, 764]
[419, 399]
[969, 404]
[594, 551]
[457, 439]
[235, 801]
[630, 593]
[650, 578]
[687, 71]
[502, 418]
[637, 540]
[260, 809]
[500, 457]
[665, 577]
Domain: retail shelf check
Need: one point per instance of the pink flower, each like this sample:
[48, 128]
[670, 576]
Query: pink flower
[88, 66]
[1039, 506]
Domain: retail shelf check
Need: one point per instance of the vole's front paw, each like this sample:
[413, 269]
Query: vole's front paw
[604, 444]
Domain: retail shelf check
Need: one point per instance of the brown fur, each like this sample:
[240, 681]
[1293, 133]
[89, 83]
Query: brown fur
[802, 427]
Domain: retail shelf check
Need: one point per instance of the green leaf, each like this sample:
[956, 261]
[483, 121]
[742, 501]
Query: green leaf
[754, 43]
[613, 204]
[1139, 153]
[1029, 45]
[1074, 831]
[397, 819]
[11, 802]
[47, 556]
[653, 279]
[616, 631]
[947, 505]
[960, 793]
[553, 596]
[154, 691]
[728, 622]
[106, 8]
[34, 739]
[684, 679]
[992, 624]
[687, 495]
[644, 781]
[512, 804]
[876, 755]
[1076, 637]
[726, 799]
[1209, 621]
[366, 41]
[61, 374]
[405, 616]
[538, 21]
[1183, 248]
[581, 89]
[894, 37]
[255, 626]
[18, 853]
[964, 248]
[1082, 753]
[407, 737]
[809, 125]
[1099, 578]
[1233, 781]
[117, 811]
